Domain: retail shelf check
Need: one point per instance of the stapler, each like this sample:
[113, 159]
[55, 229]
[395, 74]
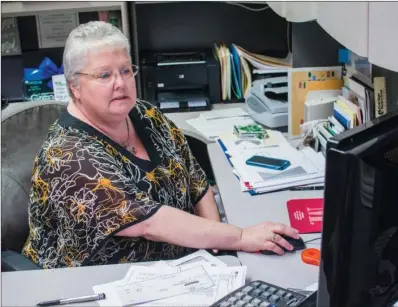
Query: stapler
[267, 102]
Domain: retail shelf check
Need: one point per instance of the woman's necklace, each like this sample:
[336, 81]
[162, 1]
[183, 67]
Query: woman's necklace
[126, 143]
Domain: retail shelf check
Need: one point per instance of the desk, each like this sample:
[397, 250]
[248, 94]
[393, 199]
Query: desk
[27, 288]
[244, 210]
[180, 120]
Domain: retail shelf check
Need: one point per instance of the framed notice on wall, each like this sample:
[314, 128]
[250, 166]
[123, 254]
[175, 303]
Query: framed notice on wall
[53, 29]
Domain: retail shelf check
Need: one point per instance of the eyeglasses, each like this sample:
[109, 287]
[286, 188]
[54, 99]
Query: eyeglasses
[108, 77]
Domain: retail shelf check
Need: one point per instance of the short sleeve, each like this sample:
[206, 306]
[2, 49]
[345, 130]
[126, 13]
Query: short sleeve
[197, 176]
[90, 196]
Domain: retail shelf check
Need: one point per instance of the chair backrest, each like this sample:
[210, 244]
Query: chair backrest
[24, 128]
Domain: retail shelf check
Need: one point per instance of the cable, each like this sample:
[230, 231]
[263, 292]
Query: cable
[288, 37]
[310, 128]
[260, 10]
[249, 8]
[308, 241]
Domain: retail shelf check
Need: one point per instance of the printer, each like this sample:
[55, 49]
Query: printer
[267, 101]
[181, 81]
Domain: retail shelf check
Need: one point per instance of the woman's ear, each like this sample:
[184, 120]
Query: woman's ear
[75, 91]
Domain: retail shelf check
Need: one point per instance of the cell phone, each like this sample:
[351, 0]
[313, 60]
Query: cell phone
[268, 162]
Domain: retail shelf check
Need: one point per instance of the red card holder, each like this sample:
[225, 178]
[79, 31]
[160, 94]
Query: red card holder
[306, 214]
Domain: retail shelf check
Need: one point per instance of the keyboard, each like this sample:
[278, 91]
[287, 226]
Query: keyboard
[261, 294]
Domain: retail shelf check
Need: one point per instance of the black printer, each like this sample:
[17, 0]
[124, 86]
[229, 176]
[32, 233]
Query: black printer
[181, 81]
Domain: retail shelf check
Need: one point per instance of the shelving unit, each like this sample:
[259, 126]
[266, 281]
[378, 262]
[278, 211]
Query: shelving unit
[32, 50]
[29, 8]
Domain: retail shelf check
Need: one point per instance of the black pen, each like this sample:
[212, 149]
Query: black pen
[306, 188]
[82, 299]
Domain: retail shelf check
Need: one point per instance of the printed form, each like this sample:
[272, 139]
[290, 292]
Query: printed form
[198, 279]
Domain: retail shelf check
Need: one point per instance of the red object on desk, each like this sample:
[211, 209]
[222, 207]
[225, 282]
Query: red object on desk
[311, 256]
[306, 214]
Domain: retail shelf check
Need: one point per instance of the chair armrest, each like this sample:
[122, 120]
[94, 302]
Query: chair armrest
[13, 261]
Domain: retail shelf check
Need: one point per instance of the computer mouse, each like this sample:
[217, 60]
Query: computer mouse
[298, 244]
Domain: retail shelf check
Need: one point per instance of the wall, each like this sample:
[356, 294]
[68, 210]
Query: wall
[193, 25]
[313, 46]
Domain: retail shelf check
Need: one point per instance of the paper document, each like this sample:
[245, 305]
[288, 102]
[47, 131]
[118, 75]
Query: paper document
[198, 279]
[215, 127]
[199, 258]
[186, 281]
[306, 166]
[53, 28]
[234, 112]
[225, 281]
[60, 88]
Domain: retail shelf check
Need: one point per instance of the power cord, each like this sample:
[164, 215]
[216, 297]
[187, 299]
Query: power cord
[288, 37]
[308, 241]
[261, 9]
[309, 129]
[249, 8]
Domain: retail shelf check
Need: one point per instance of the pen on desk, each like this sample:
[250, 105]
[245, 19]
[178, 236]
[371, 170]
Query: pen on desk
[191, 283]
[306, 188]
[82, 299]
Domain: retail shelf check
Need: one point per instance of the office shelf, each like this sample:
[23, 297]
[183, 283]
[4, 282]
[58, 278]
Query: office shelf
[28, 8]
[21, 8]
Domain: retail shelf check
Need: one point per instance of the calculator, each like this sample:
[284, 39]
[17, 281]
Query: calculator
[263, 294]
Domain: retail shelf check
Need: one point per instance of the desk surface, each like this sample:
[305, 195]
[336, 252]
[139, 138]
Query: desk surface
[180, 119]
[27, 288]
[244, 210]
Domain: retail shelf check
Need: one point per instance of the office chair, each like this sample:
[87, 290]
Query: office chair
[24, 128]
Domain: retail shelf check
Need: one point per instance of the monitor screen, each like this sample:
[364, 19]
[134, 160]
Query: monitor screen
[359, 255]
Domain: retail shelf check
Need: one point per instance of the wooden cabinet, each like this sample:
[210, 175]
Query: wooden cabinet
[383, 36]
[346, 22]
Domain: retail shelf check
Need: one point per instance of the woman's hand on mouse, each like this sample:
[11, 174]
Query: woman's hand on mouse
[267, 236]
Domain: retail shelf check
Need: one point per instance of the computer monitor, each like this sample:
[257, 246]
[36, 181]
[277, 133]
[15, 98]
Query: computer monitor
[359, 253]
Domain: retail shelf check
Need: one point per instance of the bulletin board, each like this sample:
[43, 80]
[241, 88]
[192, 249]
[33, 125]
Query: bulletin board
[303, 80]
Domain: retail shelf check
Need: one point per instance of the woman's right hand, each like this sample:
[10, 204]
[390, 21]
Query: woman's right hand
[267, 236]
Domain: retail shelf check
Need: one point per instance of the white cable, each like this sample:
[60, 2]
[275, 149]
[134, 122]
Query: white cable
[308, 128]
[249, 8]
[260, 10]
[288, 36]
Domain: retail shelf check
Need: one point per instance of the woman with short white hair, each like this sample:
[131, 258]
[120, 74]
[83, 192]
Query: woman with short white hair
[115, 180]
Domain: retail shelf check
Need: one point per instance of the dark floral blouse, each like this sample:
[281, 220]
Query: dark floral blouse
[86, 188]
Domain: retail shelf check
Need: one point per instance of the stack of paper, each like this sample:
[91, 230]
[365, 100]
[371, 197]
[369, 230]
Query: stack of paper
[346, 115]
[236, 74]
[223, 55]
[263, 62]
[215, 123]
[306, 166]
[360, 94]
[195, 280]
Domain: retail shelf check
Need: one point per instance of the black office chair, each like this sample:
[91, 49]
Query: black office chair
[22, 134]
